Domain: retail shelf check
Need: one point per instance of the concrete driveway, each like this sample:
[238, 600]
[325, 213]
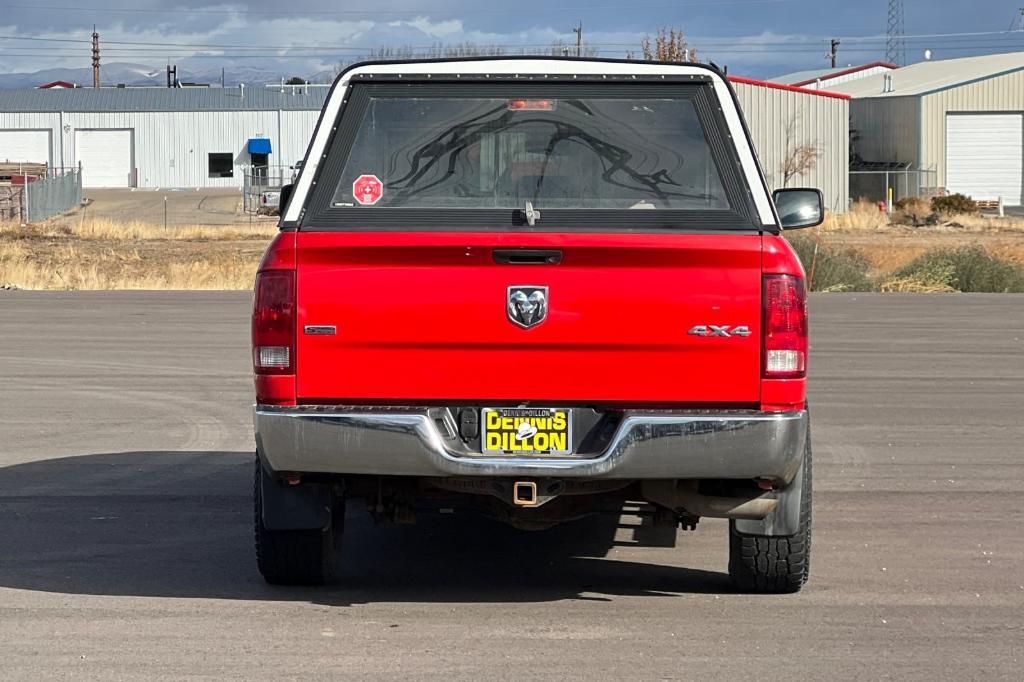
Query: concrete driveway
[220, 206]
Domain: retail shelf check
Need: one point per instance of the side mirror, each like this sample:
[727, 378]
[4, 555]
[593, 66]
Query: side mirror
[799, 208]
[286, 194]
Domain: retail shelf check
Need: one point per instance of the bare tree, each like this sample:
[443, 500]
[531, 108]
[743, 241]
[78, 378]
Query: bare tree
[467, 49]
[668, 45]
[557, 48]
[800, 157]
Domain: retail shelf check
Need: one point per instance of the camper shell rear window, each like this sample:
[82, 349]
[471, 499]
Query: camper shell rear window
[607, 155]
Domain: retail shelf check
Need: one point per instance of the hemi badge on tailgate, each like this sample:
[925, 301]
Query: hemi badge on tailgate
[320, 329]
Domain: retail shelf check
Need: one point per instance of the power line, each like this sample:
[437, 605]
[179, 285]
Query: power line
[514, 50]
[364, 13]
[729, 41]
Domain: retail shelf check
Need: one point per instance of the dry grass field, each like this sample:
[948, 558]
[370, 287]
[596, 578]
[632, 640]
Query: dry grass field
[96, 253]
[888, 247]
[103, 254]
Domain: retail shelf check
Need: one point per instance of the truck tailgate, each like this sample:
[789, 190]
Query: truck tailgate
[423, 316]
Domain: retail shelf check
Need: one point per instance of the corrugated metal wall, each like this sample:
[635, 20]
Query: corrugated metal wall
[48, 121]
[820, 121]
[171, 148]
[296, 132]
[1002, 93]
[887, 128]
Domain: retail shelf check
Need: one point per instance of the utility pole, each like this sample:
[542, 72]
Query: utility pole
[896, 47]
[835, 51]
[579, 39]
[95, 58]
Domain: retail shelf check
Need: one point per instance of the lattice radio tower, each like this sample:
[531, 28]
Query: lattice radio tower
[896, 47]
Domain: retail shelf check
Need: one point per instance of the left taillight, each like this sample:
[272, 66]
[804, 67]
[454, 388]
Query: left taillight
[273, 323]
[785, 327]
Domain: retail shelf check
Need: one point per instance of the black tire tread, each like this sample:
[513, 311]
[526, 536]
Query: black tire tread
[774, 565]
[290, 557]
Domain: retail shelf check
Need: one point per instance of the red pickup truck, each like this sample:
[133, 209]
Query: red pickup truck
[535, 289]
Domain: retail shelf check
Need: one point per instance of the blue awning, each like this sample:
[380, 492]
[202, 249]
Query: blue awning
[259, 145]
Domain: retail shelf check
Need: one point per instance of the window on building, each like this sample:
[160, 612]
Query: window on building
[222, 165]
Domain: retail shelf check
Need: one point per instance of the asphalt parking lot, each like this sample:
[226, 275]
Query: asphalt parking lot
[125, 522]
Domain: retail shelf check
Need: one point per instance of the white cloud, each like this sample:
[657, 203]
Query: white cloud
[439, 29]
[281, 43]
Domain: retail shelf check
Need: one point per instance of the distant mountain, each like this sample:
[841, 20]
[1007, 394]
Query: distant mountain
[139, 74]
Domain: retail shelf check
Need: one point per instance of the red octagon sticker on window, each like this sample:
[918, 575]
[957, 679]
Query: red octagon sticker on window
[367, 189]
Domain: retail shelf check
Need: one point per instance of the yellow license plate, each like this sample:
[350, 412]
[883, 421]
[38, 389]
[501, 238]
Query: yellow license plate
[529, 431]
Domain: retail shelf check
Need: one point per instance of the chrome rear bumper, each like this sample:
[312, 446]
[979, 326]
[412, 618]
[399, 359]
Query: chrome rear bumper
[647, 445]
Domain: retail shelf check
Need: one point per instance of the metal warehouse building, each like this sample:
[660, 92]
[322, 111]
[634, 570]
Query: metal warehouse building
[211, 137]
[783, 118]
[159, 137]
[964, 118]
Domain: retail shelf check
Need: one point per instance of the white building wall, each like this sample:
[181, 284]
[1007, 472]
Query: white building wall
[171, 148]
[296, 132]
[998, 94]
[48, 121]
[817, 120]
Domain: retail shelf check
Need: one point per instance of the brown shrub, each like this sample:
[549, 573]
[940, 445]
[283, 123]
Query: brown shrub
[911, 211]
[954, 204]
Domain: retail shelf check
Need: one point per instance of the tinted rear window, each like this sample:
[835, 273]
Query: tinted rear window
[564, 153]
[468, 155]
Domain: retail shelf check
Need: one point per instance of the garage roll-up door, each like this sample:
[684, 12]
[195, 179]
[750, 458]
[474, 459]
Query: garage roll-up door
[985, 156]
[25, 146]
[106, 157]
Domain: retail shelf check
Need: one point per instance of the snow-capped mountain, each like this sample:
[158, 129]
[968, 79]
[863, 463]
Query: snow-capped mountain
[141, 74]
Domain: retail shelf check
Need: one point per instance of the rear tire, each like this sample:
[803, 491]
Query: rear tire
[775, 564]
[294, 557]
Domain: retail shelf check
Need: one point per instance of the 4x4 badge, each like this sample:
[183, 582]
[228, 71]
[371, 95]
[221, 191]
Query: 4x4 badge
[527, 306]
[723, 330]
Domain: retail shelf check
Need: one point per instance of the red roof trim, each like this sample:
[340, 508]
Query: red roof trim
[847, 72]
[790, 88]
[54, 84]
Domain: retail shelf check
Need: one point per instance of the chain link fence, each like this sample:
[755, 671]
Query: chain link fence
[261, 188]
[874, 182]
[32, 199]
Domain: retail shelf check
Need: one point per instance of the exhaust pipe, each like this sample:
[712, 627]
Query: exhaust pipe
[684, 495]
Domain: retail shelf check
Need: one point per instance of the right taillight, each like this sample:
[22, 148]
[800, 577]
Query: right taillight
[273, 323]
[785, 327]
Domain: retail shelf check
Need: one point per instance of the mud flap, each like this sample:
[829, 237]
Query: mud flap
[784, 520]
[306, 506]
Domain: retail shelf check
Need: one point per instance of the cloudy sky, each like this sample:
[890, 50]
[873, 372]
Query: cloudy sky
[760, 38]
